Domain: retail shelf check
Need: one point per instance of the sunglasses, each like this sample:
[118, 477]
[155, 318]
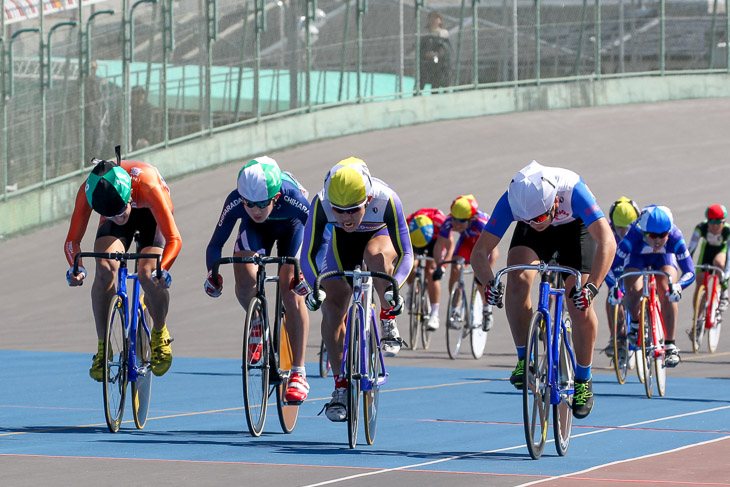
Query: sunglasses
[258, 204]
[541, 218]
[657, 235]
[715, 222]
[459, 220]
[124, 210]
[351, 210]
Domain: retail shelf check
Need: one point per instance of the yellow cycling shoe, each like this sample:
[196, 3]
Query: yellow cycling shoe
[161, 351]
[96, 371]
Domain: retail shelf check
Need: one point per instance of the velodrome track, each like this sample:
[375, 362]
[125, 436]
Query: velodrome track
[441, 421]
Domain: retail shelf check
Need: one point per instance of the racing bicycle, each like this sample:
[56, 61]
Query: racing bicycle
[707, 316]
[465, 321]
[420, 305]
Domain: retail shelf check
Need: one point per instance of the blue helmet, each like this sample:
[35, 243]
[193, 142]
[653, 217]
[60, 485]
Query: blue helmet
[656, 219]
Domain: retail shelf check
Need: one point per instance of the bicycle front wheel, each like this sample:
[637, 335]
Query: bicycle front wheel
[713, 334]
[288, 413]
[647, 351]
[620, 344]
[142, 387]
[255, 365]
[478, 334]
[456, 320]
[324, 361]
[425, 313]
[353, 375]
[698, 319]
[415, 311]
[563, 412]
[115, 369]
[370, 398]
[659, 367]
[536, 390]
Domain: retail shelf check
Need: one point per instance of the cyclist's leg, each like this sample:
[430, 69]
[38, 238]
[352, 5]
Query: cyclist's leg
[151, 241]
[102, 288]
[517, 301]
[379, 255]
[669, 309]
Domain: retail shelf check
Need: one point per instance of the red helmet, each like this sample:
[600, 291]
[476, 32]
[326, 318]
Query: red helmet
[716, 212]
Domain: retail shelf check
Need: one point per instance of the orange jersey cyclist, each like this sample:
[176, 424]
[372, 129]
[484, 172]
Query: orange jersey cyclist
[467, 219]
[555, 212]
[272, 208]
[368, 224]
[424, 226]
[130, 196]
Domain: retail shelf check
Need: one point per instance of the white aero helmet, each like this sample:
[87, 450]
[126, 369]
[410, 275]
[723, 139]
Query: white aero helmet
[260, 179]
[531, 193]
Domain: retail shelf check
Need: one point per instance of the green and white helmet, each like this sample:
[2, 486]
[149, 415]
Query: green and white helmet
[108, 188]
[260, 179]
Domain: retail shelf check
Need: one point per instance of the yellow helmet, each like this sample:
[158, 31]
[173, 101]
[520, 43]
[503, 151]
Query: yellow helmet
[464, 207]
[623, 212]
[348, 183]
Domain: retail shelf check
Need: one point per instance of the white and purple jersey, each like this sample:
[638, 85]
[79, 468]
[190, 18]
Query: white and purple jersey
[576, 201]
[634, 252]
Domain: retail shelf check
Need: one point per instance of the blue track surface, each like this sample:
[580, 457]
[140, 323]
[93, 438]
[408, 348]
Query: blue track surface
[472, 419]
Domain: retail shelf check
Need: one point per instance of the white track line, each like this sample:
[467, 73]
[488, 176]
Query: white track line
[602, 430]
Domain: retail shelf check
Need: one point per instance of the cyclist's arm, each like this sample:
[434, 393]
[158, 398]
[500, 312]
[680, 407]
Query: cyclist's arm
[77, 228]
[694, 241]
[226, 222]
[161, 208]
[605, 254]
[486, 244]
[313, 240]
[684, 260]
[400, 237]
[443, 244]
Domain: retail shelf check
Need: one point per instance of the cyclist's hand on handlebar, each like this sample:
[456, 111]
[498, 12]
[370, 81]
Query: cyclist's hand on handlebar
[614, 296]
[312, 303]
[675, 293]
[583, 297]
[396, 308]
[163, 281]
[212, 288]
[299, 286]
[438, 273]
[494, 293]
[75, 279]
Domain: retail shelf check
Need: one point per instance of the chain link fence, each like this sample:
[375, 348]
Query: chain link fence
[152, 72]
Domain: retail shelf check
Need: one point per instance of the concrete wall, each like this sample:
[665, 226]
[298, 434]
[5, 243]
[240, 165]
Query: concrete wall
[30, 210]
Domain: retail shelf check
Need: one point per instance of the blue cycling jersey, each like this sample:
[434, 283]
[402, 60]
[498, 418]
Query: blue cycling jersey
[291, 205]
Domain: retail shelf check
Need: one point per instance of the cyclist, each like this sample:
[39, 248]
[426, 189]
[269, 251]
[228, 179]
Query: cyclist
[424, 226]
[555, 212]
[654, 242]
[466, 218]
[623, 213]
[272, 208]
[715, 233]
[130, 196]
[367, 224]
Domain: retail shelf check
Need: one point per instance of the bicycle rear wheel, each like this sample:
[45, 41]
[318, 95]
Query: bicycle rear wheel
[698, 319]
[425, 313]
[563, 412]
[536, 391]
[255, 365]
[647, 353]
[415, 311]
[456, 320]
[620, 344]
[324, 361]
[478, 334]
[288, 413]
[353, 375]
[713, 334]
[659, 368]
[115, 370]
[142, 387]
[370, 398]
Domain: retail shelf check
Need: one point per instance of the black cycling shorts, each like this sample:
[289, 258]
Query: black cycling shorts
[427, 250]
[140, 219]
[570, 244]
